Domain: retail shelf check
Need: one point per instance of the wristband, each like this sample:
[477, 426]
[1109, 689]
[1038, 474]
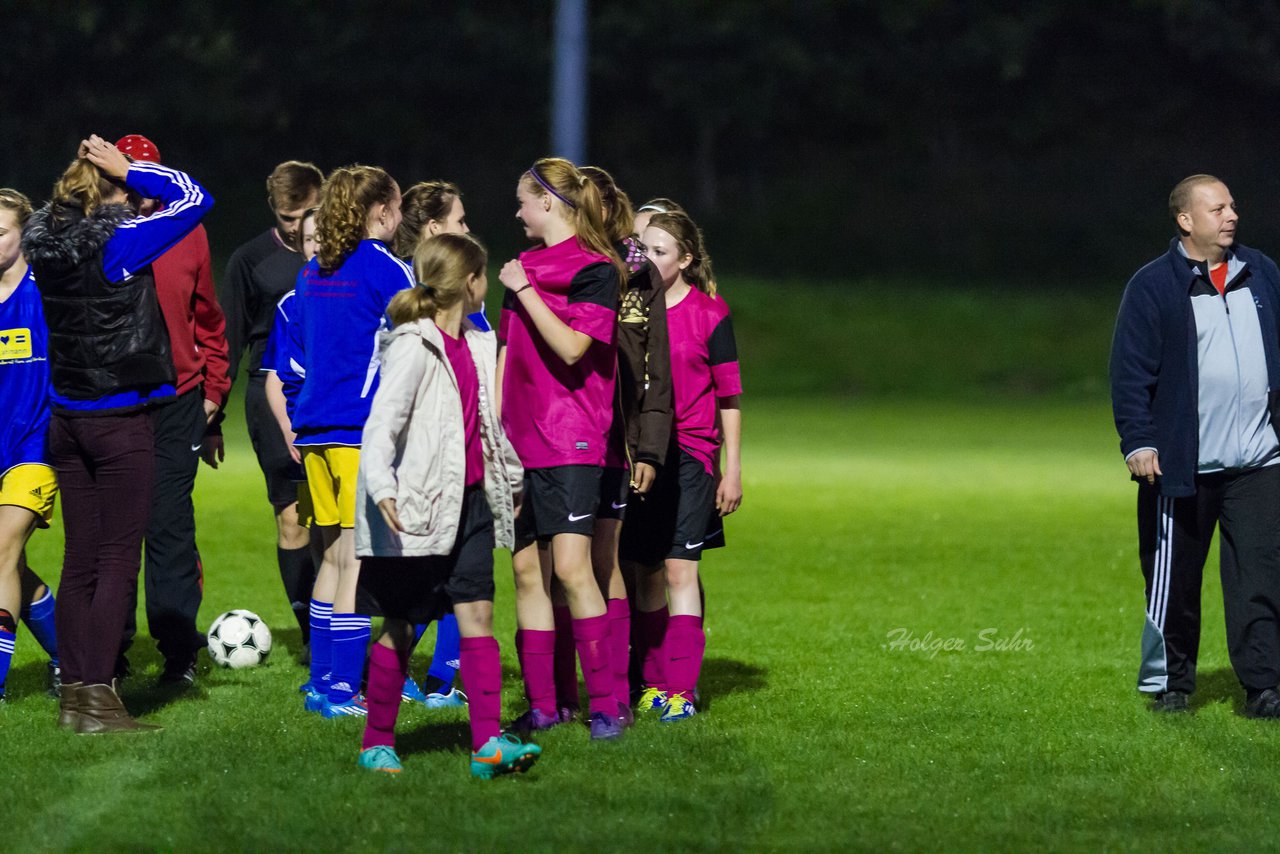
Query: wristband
[522, 290]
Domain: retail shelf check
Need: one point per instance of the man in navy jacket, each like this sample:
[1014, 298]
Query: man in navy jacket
[1195, 388]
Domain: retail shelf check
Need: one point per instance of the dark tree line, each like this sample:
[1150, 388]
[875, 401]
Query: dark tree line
[997, 140]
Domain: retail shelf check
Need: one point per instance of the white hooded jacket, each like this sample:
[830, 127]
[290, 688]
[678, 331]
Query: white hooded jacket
[414, 448]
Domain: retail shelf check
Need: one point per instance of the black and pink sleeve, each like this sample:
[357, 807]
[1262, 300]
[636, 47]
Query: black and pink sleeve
[593, 302]
[722, 353]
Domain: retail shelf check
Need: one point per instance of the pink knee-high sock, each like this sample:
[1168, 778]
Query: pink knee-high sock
[386, 679]
[566, 662]
[653, 628]
[537, 663]
[481, 670]
[592, 638]
[620, 648]
[684, 646]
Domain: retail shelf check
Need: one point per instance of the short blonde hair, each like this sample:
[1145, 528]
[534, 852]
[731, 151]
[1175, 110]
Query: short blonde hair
[1180, 198]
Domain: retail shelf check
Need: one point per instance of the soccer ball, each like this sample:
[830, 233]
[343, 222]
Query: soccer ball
[238, 639]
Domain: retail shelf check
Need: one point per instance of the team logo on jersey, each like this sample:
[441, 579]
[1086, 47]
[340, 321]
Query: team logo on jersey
[15, 344]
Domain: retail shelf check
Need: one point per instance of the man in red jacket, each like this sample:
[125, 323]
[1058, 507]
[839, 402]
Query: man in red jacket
[197, 335]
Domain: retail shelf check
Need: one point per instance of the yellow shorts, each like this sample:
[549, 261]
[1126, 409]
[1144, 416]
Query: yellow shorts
[331, 477]
[32, 486]
[306, 514]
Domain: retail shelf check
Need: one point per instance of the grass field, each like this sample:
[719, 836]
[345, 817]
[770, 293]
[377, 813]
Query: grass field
[923, 636]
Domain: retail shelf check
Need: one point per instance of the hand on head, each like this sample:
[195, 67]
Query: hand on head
[105, 156]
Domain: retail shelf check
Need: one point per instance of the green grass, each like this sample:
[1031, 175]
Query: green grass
[944, 518]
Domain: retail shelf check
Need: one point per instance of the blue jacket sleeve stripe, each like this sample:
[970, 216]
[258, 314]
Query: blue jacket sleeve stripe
[139, 241]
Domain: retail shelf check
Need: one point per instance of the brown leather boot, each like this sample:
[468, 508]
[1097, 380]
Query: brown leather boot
[102, 712]
[69, 705]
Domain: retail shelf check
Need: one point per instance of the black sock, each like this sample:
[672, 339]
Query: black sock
[298, 574]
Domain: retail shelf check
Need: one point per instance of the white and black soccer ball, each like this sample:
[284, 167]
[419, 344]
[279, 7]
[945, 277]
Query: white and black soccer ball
[238, 639]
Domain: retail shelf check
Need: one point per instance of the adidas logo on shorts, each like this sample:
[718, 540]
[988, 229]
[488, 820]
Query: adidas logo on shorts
[37, 493]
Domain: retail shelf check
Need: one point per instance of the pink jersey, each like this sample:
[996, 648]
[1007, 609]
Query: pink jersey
[464, 368]
[557, 414]
[704, 367]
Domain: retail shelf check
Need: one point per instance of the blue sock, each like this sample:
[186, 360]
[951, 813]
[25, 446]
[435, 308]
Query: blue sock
[39, 619]
[444, 659]
[8, 632]
[350, 633]
[321, 644]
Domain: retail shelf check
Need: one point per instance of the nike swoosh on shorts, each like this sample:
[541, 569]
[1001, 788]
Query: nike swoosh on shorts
[573, 518]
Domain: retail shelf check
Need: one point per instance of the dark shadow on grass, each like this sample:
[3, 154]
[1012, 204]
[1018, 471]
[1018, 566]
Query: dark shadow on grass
[724, 676]
[1216, 686]
[442, 736]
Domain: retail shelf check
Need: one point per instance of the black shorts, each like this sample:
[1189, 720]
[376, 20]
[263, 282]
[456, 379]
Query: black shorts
[615, 487]
[421, 589]
[558, 500]
[677, 519]
[278, 468]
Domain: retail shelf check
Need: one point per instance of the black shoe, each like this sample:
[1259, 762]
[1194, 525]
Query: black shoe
[1170, 701]
[53, 682]
[179, 673]
[1265, 704]
[123, 670]
[304, 658]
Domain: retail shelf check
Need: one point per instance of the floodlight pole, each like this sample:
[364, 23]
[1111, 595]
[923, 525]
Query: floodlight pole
[569, 81]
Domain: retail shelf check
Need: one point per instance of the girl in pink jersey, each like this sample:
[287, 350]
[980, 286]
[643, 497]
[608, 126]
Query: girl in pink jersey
[435, 494]
[557, 365]
[682, 515]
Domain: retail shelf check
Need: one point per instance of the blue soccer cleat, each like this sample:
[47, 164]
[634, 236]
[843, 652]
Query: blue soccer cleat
[381, 758]
[652, 700]
[454, 699]
[533, 721]
[353, 708]
[678, 708]
[503, 754]
[411, 693]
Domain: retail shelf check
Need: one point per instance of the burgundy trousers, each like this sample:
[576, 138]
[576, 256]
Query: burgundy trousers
[105, 466]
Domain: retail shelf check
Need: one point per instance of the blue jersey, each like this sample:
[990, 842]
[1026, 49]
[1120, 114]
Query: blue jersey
[338, 319]
[279, 356]
[24, 378]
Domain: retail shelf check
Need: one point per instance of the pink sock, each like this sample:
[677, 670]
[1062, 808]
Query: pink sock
[386, 679]
[620, 648]
[566, 662]
[684, 646]
[653, 628]
[537, 663]
[592, 637]
[481, 670]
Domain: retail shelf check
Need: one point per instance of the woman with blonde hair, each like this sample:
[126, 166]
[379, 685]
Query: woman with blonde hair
[558, 364]
[340, 308]
[436, 494]
[28, 485]
[110, 363]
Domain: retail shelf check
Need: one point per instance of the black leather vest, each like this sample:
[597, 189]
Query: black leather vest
[104, 337]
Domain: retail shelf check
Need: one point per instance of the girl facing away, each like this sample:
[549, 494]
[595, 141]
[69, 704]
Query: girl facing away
[664, 536]
[436, 494]
[340, 309]
[558, 363]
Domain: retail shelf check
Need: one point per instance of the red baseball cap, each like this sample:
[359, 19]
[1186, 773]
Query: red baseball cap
[139, 147]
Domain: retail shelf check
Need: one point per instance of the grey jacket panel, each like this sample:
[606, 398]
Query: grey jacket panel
[1235, 424]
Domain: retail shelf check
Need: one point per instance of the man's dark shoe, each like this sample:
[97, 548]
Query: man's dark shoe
[1171, 701]
[1264, 704]
[123, 671]
[53, 681]
[179, 673]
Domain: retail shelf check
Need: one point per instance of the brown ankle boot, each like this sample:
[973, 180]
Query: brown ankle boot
[101, 711]
[69, 705]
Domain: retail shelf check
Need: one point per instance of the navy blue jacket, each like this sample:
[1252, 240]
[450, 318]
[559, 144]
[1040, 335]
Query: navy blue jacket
[1154, 371]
